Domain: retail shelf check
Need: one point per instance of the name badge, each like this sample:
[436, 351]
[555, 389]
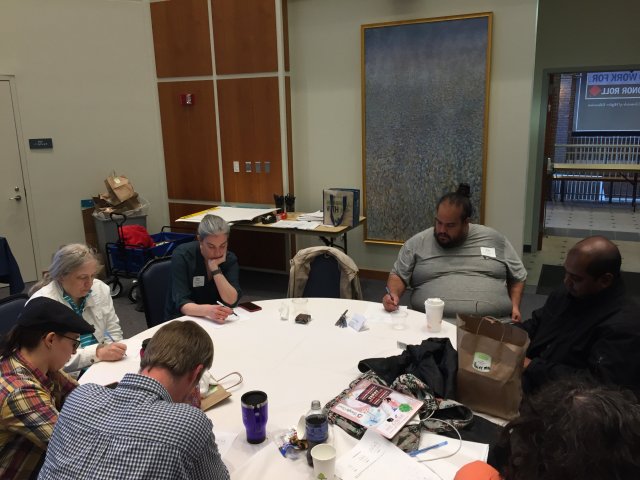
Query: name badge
[198, 281]
[488, 252]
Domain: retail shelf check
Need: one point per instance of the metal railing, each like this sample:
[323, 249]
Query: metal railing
[596, 187]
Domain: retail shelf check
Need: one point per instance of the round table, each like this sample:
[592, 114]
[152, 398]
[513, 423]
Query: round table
[294, 364]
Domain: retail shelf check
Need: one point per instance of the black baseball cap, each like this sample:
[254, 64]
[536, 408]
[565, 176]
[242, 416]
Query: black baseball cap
[50, 316]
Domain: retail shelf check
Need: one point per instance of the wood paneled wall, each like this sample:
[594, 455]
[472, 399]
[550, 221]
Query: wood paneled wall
[244, 33]
[250, 132]
[181, 38]
[189, 137]
[242, 102]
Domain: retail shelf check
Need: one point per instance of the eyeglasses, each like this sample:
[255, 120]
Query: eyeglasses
[76, 341]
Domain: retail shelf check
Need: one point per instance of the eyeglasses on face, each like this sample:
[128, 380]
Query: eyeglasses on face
[76, 341]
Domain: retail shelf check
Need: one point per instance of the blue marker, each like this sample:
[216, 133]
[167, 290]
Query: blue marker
[108, 335]
[426, 449]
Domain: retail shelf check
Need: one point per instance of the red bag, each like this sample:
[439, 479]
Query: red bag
[136, 235]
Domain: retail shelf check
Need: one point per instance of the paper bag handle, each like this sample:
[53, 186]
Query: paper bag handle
[491, 319]
[240, 379]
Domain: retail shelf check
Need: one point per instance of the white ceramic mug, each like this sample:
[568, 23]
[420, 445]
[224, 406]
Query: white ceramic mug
[324, 461]
[434, 309]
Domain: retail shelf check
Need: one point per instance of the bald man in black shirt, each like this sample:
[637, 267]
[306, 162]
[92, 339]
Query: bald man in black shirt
[589, 325]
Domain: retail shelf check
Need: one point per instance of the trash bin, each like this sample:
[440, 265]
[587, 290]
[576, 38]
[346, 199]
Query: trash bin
[108, 232]
[106, 229]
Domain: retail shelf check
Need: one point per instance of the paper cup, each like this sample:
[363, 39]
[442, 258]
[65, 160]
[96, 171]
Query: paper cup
[434, 309]
[324, 461]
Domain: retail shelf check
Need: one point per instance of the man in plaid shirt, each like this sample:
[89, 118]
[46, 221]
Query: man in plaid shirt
[142, 429]
[32, 386]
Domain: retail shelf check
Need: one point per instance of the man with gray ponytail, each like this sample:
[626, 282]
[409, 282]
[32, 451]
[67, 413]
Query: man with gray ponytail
[71, 280]
[205, 277]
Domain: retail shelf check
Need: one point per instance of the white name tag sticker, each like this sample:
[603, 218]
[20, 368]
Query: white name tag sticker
[488, 252]
[198, 281]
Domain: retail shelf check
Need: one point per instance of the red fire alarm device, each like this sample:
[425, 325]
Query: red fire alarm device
[187, 99]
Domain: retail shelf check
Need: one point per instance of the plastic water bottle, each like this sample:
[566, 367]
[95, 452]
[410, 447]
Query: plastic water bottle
[316, 427]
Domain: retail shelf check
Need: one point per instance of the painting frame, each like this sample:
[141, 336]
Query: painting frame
[402, 61]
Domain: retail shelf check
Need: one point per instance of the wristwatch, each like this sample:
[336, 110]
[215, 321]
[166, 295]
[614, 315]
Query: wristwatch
[215, 272]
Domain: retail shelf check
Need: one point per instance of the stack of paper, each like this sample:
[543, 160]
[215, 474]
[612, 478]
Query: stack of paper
[375, 457]
[229, 214]
[311, 217]
[295, 224]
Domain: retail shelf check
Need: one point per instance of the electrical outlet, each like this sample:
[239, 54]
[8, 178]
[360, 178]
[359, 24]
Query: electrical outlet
[236, 167]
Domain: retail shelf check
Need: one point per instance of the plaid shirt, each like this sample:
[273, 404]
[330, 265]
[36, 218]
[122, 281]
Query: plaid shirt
[29, 404]
[134, 431]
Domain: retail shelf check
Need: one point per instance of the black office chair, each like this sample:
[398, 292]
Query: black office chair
[154, 284]
[324, 278]
[10, 308]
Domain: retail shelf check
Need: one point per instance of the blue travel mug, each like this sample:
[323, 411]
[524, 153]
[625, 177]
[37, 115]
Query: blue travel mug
[255, 415]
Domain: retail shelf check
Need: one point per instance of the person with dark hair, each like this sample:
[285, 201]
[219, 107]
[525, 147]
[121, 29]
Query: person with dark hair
[205, 276]
[32, 385]
[588, 325]
[570, 429]
[143, 428]
[473, 268]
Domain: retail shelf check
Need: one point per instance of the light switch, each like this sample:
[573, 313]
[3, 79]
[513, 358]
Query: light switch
[258, 167]
[267, 167]
[236, 167]
[247, 167]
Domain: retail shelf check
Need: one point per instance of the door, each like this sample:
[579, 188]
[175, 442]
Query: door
[14, 216]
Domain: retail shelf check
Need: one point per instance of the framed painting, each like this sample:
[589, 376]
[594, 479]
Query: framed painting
[425, 93]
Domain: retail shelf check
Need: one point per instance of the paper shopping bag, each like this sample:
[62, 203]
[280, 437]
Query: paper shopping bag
[490, 363]
[341, 206]
[119, 188]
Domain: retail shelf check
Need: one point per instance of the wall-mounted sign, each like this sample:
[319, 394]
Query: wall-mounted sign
[40, 143]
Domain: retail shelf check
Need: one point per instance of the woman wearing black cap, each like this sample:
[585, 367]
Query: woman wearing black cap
[32, 384]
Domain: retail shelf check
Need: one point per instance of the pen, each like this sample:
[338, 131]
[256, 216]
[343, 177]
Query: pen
[223, 305]
[108, 335]
[426, 449]
[389, 293]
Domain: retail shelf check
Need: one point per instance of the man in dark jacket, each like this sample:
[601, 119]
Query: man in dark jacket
[588, 326]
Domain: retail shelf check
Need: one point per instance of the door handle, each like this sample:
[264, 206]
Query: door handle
[17, 198]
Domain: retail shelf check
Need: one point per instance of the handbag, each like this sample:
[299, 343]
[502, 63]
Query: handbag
[341, 207]
[408, 438]
[490, 364]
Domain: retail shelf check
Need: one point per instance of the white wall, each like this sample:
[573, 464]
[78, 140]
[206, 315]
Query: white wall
[85, 76]
[324, 39]
[571, 38]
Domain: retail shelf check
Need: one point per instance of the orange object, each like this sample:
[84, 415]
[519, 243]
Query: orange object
[477, 471]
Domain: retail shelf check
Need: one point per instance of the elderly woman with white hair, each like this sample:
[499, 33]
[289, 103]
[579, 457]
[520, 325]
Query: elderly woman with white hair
[71, 280]
[205, 276]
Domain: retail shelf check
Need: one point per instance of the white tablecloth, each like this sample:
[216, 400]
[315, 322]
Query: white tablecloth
[294, 364]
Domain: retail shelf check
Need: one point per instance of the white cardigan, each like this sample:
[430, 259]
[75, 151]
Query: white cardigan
[98, 311]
